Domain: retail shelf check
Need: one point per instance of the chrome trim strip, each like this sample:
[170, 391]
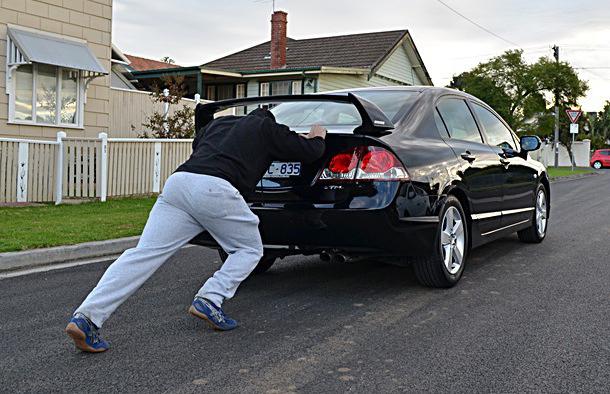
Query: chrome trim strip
[421, 219]
[487, 215]
[505, 227]
[512, 211]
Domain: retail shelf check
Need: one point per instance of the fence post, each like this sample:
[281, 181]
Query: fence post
[59, 168]
[157, 168]
[22, 172]
[104, 166]
[197, 98]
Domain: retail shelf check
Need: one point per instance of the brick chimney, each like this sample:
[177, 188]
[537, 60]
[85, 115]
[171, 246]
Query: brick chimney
[279, 21]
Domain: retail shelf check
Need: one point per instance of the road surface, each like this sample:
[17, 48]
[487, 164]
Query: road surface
[523, 318]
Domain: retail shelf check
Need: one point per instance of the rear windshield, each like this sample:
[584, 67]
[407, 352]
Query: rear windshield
[327, 113]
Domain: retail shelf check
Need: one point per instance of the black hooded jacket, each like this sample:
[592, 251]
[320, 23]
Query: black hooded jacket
[240, 149]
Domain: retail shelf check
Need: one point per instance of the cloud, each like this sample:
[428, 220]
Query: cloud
[196, 31]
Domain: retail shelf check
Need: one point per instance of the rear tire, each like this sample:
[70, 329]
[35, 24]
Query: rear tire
[597, 165]
[264, 264]
[537, 231]
[445, 266]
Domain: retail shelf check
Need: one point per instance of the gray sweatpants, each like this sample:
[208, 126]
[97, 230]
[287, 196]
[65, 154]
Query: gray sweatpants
[189, 204]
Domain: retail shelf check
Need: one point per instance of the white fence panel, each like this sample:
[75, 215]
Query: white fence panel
[27, 170]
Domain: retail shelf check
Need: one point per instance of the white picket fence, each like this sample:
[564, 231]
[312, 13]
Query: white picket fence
[83, 168]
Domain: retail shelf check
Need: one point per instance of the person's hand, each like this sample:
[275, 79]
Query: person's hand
[317, 131]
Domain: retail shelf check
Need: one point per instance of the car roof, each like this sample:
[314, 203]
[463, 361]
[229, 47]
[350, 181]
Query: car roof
[434, 90]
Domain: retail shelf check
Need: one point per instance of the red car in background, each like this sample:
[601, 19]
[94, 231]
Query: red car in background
[600, 159]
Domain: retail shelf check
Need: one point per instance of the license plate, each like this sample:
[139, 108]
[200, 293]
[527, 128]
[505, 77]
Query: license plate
[279, 169]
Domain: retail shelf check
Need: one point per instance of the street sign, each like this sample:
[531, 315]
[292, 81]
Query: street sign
[573, 114]
[574, 128]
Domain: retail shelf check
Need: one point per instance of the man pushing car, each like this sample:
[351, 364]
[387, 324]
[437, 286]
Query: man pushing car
[230, 155]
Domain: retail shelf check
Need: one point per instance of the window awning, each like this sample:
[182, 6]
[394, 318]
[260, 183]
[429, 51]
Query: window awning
[27, 46]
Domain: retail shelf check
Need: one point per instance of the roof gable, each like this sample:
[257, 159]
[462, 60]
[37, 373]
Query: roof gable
[353, 51]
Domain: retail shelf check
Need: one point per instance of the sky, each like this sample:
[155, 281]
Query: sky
[193, 32]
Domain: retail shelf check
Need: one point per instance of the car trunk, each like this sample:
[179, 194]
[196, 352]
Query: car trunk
[307, 187]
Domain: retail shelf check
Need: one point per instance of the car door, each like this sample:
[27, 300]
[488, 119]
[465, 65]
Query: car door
[521, 177]
[480, 168]
[606, 158]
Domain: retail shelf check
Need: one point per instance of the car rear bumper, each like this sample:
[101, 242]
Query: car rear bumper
[366, 231]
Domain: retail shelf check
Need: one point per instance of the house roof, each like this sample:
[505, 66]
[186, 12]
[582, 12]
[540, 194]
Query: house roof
[364, 50]
[143, 64]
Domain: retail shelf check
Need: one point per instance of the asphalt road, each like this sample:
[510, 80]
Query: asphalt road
[523, 318]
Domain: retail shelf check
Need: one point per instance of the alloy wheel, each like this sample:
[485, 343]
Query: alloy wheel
[597, 165]
[452, 240]
[541, 213]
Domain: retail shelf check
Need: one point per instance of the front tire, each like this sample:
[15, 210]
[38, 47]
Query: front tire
[597, 165]
[445, 267]
[263, 266]
[537, 231]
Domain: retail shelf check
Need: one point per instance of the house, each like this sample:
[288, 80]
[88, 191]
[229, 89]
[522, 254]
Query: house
[55, 61]
[296, 66]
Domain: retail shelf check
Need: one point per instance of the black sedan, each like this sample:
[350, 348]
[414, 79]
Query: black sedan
[410, 174]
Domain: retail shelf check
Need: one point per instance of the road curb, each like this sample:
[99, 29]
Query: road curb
[12, 261]
[573, 177]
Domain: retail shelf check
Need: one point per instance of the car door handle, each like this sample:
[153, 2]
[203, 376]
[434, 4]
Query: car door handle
[469, 157]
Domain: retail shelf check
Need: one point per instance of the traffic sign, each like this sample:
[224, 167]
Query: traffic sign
[574, 128]
[573, 114]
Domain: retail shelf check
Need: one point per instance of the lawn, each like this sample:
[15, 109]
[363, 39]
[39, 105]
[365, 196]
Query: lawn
[567, 171]
[24, 228]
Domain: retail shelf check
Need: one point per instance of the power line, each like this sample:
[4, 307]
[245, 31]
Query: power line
[477, 25]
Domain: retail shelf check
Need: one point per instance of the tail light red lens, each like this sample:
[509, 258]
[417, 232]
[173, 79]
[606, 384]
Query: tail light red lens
[365, 163]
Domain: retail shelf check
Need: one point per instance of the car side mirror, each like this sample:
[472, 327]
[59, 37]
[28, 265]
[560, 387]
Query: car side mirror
[530, 143]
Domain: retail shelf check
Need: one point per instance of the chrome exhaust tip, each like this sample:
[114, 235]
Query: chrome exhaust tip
[325, 256]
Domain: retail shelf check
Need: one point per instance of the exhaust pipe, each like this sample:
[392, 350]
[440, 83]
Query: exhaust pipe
[340, 258]
[334, 257]
[325, 256]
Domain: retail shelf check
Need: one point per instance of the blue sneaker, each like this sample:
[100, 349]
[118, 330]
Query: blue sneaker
[85, 335]
[213, 315]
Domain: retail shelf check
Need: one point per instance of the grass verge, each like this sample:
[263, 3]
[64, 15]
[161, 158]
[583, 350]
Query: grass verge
[567, 171]
[23, 228]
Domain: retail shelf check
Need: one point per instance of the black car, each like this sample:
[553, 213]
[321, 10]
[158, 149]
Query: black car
[415, 174]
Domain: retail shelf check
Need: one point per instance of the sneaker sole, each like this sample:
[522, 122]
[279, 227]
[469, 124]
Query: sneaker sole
[193, 311]
[78, 336]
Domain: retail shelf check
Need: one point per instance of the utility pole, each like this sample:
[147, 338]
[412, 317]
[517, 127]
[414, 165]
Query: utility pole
[556, 55]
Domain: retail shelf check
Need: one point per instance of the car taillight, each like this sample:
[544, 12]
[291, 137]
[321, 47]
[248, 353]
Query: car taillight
[365, 163]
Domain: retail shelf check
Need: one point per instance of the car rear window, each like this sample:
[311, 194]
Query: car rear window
[327, 113]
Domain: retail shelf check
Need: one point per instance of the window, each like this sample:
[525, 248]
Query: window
[390, 102]
[264, 89]
[279, 88]
[224, 92]
[310, 86]
[297, 87]
[307, 113]
[440, 125]
[48, 95]
[211, 93]
[240, 90]
[497, 133]
[458, 119]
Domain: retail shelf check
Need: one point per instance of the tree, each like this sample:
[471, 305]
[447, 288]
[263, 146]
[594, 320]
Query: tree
[599, 127]
[523, 93]
[168, 60]
[180, 123]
